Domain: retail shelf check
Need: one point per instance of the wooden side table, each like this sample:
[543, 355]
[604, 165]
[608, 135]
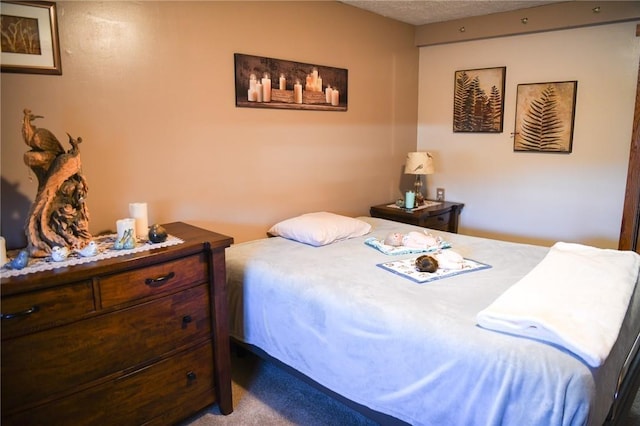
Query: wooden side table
[442, 217]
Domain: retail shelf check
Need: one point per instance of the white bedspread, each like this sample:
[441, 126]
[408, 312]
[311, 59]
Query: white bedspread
[576, 297]
[414, 351]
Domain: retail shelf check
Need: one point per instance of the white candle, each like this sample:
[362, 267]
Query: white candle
[266, 88]
[3, 252]
[252, 96]
[122, 225]
[259, 93]
[252, 82]
[138, 211]
[319, 87]
[283, 82]
[297, 93]
[328, 94]
[335, 97]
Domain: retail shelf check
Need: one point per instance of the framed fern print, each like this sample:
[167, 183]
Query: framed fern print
[478, 100]
[545, 114]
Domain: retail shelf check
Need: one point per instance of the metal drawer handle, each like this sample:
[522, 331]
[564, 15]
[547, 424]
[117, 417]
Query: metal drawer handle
[160, 281]
[27, 312]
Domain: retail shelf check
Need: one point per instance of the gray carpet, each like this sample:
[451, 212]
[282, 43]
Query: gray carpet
[264, 394]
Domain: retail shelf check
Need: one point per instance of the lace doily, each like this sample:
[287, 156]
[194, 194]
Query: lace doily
[105, 251]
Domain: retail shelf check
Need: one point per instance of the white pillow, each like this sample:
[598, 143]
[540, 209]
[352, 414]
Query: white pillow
[320, 228]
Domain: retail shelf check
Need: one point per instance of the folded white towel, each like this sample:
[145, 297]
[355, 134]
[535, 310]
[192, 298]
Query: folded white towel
[576, 297]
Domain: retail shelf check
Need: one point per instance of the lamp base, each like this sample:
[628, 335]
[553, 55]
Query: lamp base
[417, 188]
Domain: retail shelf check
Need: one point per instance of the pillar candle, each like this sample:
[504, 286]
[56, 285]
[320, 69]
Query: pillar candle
[3, 252]
[138, 211]
[319, 86]
[297, 93]
[122, 225]
[259, 93]
[335, 97]
[328, 94]
[283, 82]
[266, 88]
[409, 199]
[252, 82]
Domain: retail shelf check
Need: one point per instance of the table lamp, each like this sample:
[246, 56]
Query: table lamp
[419, 163]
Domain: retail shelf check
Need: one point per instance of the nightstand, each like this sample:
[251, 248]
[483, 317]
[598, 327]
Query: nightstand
[443, 216]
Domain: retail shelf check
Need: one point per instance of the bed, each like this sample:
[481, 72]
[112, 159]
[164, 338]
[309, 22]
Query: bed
[414, 352]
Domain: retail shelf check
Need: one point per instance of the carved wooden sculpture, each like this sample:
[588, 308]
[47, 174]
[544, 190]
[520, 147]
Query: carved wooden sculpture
[59, 215]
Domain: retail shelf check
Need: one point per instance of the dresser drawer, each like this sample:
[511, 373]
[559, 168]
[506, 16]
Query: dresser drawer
[175, 387]
[152, 280]
[28, 312]
[439, 222]
[59, 360]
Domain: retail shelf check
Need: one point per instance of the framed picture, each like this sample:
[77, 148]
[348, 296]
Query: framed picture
[275, 83]
[30, 41]
[478, 100]
[544, 117]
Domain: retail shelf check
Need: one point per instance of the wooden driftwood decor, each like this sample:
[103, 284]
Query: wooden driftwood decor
[59, 215]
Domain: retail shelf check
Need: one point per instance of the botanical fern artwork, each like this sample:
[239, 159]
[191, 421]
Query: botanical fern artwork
[544, 117]
[478, 100]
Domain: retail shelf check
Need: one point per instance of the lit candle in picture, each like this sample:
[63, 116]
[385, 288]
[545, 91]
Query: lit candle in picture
[251, 93]
[283, 82]
[335, 97]
[266, 88]
[297, 92]
[259, 93]
[138, 211]
[328, 94]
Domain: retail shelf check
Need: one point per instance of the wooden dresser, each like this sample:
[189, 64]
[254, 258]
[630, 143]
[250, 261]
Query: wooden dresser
[137, 339]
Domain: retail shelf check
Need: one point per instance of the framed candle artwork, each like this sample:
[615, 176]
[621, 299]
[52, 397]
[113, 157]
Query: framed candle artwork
[545, 113]
[478, 100]
[30, 41]
[276, 83]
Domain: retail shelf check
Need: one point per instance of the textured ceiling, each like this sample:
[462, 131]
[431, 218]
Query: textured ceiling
[420, 12]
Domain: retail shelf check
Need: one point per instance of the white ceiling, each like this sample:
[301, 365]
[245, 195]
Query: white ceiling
[420, 12]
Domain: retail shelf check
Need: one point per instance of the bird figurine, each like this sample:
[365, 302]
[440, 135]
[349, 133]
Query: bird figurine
[20, 261]
[127, 241]
[90, 249]
[58, 253]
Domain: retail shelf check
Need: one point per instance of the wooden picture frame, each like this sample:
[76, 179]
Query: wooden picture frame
[39, 51]
[545, 114]
[478, 100]
[262, 82]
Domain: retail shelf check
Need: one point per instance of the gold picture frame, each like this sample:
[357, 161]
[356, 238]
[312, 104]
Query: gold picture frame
[545, 114]
[30, 42]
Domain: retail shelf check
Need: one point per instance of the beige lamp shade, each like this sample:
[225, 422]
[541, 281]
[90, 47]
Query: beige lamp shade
[419, 163]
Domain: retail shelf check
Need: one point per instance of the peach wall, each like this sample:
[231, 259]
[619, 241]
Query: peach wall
[149, 88]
